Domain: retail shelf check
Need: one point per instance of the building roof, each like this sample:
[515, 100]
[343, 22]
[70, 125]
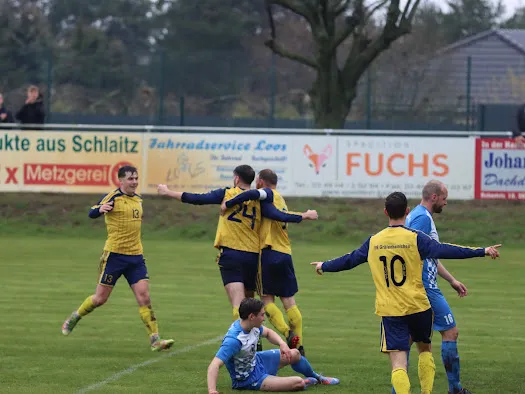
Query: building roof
[513, 37]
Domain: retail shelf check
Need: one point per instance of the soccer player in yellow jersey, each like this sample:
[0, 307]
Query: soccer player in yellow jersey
[276, 273]
[237, 236]
[395, 257]
[122, 210]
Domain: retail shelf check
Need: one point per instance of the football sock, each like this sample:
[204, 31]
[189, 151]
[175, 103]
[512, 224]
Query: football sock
[450, 357]
[426, 372]
[148, 317]
[408, 363]
[86, 307]
[236, 315]
[296, 322]
[276, 318]
[400, 381]
[304, 367]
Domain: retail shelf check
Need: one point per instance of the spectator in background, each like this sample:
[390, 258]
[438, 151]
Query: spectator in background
[520, 124]
[5, 115]
[32, 112]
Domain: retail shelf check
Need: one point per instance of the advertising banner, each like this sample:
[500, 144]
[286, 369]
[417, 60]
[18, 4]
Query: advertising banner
[68, 162]
[500, 170]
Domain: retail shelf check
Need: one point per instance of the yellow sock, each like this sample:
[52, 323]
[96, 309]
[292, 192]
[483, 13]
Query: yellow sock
[296, 322]
[426, 371]
[149, 319]
[86, 307]
[400, 381]
[276, 318]
[236, 313]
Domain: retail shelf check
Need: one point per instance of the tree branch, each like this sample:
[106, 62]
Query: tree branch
[298, 7]
[351, 24]
[279, 50]
[342, 7]
[380, 4]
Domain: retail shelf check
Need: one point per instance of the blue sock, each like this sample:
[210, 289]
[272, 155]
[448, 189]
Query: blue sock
[450, 357]
[304, 367]
[408, 362]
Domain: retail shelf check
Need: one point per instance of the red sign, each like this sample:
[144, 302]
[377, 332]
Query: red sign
[66, 174]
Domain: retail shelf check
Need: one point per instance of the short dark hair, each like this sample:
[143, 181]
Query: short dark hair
[123, 170]
[249, 306]
[396, 205]
[246, 173]
[268, 176]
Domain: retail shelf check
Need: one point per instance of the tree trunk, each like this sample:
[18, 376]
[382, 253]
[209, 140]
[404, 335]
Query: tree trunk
[331, 97]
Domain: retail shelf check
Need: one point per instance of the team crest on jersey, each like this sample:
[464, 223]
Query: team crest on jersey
[317, 159]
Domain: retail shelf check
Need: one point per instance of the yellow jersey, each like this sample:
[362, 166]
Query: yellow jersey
[123, 222]
[239, 227]
[395, 256]
[274, 234]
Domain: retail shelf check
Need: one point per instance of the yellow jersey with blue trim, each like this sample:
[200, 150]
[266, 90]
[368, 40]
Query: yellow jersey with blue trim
[239, 227]
[395, 256]
[274, 234]
[123, 222]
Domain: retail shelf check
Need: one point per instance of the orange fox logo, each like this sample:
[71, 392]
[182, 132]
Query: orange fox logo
[317, 159]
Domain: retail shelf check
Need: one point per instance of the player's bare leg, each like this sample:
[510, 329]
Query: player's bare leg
[400, 379]
[100, 297]
[141, 291]
[426, 367]
[236, 293]
[283, 384]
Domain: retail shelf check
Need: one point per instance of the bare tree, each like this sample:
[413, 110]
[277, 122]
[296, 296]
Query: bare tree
[335, 86]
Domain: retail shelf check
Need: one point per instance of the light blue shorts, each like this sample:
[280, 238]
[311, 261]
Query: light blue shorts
[267, 365]
[443, 317]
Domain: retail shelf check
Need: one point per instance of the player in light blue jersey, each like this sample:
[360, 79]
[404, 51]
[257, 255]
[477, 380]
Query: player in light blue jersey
[434, 198]
[252, 370]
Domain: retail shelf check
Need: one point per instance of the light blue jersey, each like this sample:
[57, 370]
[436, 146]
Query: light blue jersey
[238, 351]
[421, 219]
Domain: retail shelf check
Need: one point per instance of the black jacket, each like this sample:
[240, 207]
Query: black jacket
[32, 113]
[9, 118]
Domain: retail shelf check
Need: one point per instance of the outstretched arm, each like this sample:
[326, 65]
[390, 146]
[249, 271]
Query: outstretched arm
[345, 262]
[213, 197]
[265, 194]
[429, 248]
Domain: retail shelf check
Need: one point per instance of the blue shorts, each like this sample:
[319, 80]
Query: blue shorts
[267, 364]
[113, 265]
[443, 317]
[277, 275]
[238, 266]
[396, 331]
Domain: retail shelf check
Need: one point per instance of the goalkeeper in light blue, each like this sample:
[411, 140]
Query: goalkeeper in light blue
[434, 198]
[252, 370]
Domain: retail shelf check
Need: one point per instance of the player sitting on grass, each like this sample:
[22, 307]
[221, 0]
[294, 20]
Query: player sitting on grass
[252, 370]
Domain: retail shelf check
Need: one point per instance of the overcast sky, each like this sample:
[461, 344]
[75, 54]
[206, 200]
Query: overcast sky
[510, 5]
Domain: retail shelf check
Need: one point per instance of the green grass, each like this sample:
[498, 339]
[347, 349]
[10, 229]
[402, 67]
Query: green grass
[44, 277]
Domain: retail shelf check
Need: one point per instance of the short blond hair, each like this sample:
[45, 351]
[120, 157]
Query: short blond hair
[433, 187]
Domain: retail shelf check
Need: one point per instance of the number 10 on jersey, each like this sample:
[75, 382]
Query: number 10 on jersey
[389, 270]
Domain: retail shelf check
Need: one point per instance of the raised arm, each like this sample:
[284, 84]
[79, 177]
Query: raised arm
[105, 205]
[212, 197]
[345, 262]
[429, 248]
[268, 210]
[265, 194]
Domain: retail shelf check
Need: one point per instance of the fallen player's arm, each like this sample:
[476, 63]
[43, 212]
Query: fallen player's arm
[272, 336]
[213, 374]
[348, 261]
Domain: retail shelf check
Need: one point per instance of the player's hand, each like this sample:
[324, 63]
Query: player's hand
[3, 116]
[459, 287]
[492, 251]
[105, 208]
[223, 208]
[311, 214]
[318, 267]
[286, 351]
[520, 141]
[162, 190]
